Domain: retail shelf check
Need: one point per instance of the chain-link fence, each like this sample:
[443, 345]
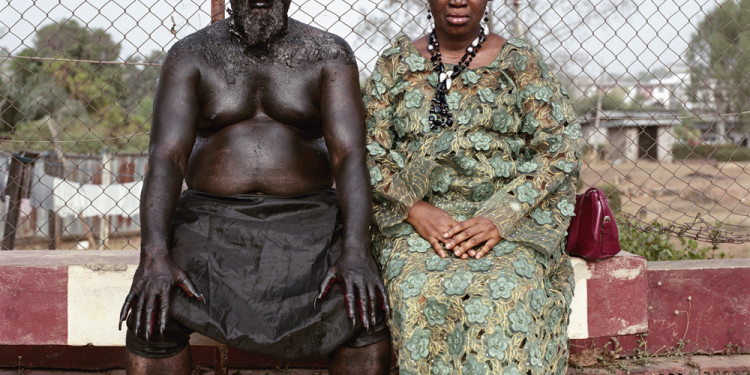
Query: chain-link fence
[662, 88]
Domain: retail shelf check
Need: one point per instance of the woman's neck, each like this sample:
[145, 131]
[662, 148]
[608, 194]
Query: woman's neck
[454, 47]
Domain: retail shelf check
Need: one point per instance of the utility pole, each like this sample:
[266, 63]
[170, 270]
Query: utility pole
[519, 26]
[490, 14]
[218, 7]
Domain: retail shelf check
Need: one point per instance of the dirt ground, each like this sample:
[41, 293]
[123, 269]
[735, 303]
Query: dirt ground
[696, 194]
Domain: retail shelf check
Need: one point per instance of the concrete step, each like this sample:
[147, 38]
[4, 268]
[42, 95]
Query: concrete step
[738, 364]
[686, 365]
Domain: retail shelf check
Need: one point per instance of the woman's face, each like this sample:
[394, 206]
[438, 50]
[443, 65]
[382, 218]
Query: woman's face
[458, 17]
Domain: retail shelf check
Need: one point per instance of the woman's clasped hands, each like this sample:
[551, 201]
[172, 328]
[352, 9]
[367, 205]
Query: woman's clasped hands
[446, 234]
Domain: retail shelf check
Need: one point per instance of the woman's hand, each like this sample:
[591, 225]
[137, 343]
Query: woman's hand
[465, 235]
[431, 223]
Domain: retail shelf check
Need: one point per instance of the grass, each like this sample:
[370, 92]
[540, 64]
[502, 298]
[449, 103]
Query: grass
[684, 193]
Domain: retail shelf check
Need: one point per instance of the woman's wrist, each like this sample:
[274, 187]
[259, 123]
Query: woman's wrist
[415, 211]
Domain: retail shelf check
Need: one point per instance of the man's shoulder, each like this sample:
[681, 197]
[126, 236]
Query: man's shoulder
[198, 42]
[312, 44]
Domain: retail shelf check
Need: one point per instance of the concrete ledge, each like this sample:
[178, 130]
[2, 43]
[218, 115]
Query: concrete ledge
[694, 306]
[74, 297]
[701, 306]
[609, 298]
[60, 304]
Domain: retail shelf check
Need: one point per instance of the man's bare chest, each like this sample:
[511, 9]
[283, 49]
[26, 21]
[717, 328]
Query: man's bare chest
[229, 95]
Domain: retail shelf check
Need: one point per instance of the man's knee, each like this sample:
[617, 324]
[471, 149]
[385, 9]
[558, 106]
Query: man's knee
[174, 340]
[373, 359]
[377, 334]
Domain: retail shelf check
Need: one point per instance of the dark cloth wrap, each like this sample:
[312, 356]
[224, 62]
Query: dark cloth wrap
[259, 260]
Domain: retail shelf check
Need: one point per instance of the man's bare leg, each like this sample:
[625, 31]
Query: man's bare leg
[180, 364]
[373, 359]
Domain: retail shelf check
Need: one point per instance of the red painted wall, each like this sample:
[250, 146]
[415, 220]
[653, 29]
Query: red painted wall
[28, 296]
[705, 303]
[694, 307]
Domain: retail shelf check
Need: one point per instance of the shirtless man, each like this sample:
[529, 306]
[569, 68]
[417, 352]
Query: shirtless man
[260, 115]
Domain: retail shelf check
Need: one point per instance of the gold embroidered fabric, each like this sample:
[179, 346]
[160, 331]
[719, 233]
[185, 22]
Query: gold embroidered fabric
[511, 156]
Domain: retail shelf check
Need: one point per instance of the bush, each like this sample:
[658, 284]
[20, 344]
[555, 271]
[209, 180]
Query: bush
[723, 152]
[613, 197]
[654, 244]
[580, 184]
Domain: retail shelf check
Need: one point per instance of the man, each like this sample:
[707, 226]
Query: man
[260, 115]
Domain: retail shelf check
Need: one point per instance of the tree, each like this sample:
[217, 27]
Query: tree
[719, 54]
[611, 100]
[72, 86]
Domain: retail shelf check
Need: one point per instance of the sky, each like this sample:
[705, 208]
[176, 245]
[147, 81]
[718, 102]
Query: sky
[650, 35]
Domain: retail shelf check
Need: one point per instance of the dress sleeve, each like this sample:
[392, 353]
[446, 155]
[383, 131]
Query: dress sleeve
[399, 178]
[548, 162]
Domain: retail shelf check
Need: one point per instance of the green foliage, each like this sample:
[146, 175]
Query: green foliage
[580, 184]
[722, 152]
[90, 106]
[720, 52]
[613, 197]
[610, 101]
[687, 134]
[655, 244]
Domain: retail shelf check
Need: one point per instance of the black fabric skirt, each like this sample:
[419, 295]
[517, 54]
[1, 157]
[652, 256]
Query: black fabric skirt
[258, 260]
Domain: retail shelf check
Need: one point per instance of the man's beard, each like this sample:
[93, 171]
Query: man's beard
[259, 28]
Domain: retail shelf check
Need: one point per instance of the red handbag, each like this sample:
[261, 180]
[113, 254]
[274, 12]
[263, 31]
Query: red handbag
[593, 231]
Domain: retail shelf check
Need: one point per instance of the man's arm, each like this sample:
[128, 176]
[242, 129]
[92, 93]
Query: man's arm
[344, 132]
[172, 137]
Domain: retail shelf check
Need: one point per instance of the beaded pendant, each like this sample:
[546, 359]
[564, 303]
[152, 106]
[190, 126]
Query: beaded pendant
[439, 114]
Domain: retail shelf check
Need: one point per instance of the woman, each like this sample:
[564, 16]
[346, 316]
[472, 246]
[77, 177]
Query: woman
[473, 157]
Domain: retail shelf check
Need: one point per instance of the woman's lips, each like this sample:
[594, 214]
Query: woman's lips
[457, 19]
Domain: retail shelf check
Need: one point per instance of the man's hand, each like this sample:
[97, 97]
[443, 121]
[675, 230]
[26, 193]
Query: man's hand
[360, 278]
[464, 236]
[431, 223]
[152, 282]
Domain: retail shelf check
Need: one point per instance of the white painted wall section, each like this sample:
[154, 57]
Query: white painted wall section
[95, 295]
[578, 328]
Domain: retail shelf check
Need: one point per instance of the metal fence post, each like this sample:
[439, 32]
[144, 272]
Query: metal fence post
[54, 165]
[218, 7]
[19, 175]
[517, 20]
[104, 223]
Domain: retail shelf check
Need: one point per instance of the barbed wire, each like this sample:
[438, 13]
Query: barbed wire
[77, 141]
[79, 61]
[592, 118]
[699, 230]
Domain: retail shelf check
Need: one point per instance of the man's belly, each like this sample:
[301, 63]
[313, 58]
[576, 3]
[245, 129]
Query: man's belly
[258, 157]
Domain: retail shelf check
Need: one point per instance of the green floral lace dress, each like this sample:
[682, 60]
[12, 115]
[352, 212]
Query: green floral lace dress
[512, 157]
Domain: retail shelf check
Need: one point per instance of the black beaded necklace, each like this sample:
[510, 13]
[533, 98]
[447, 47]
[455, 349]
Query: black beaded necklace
[439, 115]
